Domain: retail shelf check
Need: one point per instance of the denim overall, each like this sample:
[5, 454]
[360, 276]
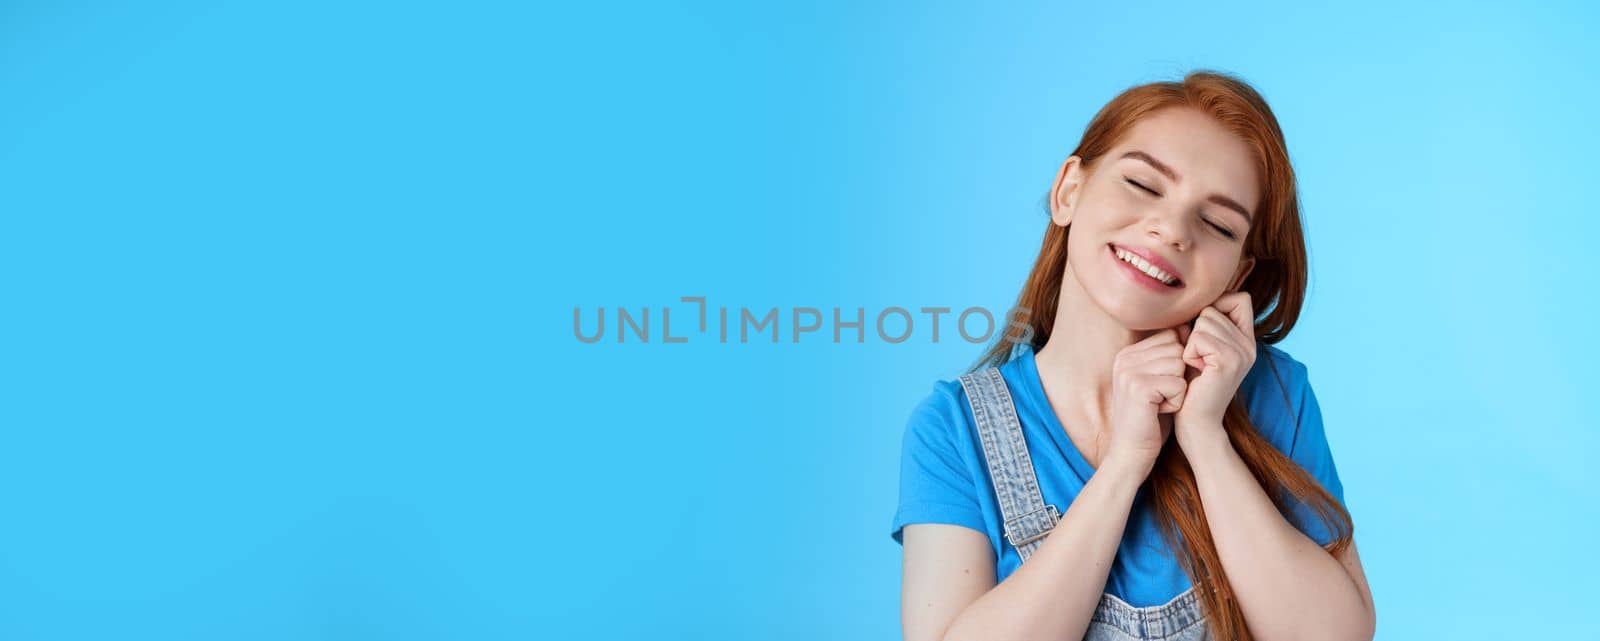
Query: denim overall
[1027, 520]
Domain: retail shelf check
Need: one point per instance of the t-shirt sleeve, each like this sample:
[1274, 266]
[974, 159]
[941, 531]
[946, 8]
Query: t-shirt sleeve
[1310, 449]
[936, 485]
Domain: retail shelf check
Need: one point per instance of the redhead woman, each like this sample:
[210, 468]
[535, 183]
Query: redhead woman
[1142, 462]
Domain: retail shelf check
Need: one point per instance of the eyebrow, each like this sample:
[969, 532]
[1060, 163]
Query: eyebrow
[1173, 175]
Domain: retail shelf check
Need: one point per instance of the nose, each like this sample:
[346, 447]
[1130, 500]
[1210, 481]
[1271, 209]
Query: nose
[1167, 227]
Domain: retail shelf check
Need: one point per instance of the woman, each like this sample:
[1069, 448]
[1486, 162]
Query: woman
[1145, 398]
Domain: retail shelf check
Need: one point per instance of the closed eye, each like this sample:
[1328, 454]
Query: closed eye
[1135, 183]
[1220, 229]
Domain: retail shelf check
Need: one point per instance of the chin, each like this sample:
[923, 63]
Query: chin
[1147, 323]
[1137, 314]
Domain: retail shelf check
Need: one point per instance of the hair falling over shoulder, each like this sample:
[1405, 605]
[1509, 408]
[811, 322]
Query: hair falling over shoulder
[1277, 284]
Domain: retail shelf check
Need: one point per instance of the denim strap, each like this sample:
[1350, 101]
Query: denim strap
[1027, 519]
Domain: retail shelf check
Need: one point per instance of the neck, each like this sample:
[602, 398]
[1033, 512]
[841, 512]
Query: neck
[1075, 363]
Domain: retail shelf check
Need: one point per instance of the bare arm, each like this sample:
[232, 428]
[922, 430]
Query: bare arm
[949, 591]
[1288, 586]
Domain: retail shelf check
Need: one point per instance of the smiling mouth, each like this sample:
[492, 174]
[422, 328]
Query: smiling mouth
[1154, 273]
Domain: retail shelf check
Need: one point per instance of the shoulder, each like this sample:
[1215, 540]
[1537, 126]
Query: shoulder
[941, 410]
[942, 419]
[1274, 392]
[938, 470]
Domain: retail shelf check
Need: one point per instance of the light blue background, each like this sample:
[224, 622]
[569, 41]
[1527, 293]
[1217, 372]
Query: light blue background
[288, 289]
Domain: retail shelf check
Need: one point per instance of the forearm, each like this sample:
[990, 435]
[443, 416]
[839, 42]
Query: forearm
[1054, 594]
[1287, 585]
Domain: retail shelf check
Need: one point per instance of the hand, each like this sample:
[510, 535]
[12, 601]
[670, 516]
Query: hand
[1221, 347]
[1147, 380]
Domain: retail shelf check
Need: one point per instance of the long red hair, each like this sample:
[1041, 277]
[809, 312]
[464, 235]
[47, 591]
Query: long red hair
[1277, 284]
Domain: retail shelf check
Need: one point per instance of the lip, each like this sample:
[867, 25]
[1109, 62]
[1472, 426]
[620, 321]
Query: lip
[1141, 277]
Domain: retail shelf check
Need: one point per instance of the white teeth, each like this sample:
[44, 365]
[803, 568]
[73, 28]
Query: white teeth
[1146, 267]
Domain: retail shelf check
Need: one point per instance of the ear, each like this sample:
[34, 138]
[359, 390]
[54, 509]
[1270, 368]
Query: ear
[1245, 265]
[1066, 190]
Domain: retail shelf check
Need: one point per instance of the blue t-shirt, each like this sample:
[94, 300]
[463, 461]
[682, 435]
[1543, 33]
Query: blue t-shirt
[944, 479]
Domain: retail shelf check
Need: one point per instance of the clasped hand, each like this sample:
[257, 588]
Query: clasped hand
[1191, 371]
[1219, 349]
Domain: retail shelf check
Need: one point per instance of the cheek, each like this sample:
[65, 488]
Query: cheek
[1207, 284]
[1216, 269]
[1122, 206]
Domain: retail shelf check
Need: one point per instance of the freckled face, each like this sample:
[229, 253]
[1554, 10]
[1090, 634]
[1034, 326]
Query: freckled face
[1171, 189]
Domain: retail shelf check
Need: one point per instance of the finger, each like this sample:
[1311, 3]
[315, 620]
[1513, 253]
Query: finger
[1154, 341]
[1204, 347]
[1238, 308]
[1167, 392]
[1159, 359]
[1167, 364]
[1210, 347]
[1224, 327]
[1242, 342]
